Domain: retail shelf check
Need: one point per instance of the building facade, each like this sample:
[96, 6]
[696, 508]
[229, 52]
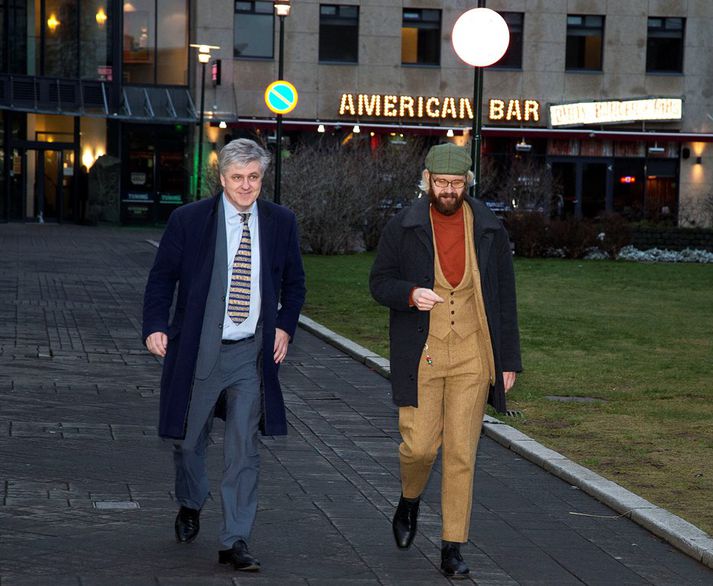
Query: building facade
[616, 98]
[95, 110]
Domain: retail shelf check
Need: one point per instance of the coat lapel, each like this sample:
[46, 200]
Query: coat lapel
[266, 235]
[484, 229]
[417, 217]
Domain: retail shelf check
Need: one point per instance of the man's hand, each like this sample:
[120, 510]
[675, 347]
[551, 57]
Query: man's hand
[509, 380]
[157, 343]
[282, 340]
[425, 299]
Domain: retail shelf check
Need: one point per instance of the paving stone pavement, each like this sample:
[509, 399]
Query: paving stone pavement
[86, 485]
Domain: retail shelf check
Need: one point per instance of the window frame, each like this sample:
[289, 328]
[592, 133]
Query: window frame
[353, 21]
[521, 32]
[253, 12]
[584, 28]
[661, 34]
[422, 24]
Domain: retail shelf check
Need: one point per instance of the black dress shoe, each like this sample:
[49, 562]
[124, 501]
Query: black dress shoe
[240, 557]
[452, 564]
[405, 521]
[187, 524]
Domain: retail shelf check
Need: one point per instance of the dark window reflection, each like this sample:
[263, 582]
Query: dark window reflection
[585, 39]
[254, 29]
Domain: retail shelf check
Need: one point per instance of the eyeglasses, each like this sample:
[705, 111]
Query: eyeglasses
[455, 184]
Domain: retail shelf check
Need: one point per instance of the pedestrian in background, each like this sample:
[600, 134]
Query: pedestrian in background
[445, 271]
[236, 261]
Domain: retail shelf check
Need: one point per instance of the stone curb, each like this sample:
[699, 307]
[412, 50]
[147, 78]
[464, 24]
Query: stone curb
[669, 527]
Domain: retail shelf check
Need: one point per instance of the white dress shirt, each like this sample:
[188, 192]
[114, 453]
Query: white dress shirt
[234, 232]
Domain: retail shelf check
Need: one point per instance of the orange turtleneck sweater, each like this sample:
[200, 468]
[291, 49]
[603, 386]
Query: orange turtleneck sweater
[449, 232]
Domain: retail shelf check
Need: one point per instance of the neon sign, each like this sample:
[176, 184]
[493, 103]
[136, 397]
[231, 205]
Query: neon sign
[616, 111]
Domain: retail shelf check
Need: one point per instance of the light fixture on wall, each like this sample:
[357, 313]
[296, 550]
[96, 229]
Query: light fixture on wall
[356, 129]
[523, 147]
[656, 149]
[699, 160]
[450, 133]
[52, 22]
[223, 124]
[320, 128]
[101, 17]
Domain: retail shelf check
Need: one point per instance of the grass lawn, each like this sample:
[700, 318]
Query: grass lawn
[636, 337]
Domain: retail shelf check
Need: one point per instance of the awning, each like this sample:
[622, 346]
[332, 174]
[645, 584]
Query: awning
[488, 131]
[93, 98]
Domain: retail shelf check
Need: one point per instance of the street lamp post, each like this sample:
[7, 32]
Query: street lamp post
[203, 59]
[480, 38]
[282, 9]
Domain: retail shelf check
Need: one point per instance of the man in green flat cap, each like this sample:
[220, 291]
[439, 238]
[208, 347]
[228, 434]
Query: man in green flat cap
[445, 271]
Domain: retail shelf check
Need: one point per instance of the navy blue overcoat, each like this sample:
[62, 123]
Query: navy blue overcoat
[185, 257]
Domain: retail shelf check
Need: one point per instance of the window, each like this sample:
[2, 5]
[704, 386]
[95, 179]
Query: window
[339, 33]
[156, 42]
[421, 37]
[585, 36]
[254, 29]
[664, 46]
[513, 56]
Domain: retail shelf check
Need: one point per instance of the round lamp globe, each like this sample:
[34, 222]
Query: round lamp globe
[480, 37]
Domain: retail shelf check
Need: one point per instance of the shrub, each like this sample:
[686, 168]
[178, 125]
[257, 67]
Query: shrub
[528, 232]
[574, 237]
[614, 233]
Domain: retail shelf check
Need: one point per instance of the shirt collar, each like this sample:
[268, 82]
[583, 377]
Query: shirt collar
[232, 215]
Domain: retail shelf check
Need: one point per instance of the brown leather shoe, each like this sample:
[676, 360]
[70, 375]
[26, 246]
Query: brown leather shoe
[187, 524]
[405, 522]
[240, 557]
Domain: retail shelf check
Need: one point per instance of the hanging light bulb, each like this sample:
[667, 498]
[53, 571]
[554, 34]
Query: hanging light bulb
[450, 133]
[320, 128]
[223, 124]
[356, 129]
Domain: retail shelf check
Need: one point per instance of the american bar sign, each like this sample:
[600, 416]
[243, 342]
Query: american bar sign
[433, 107]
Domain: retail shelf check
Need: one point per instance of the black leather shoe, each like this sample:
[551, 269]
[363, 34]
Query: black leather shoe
[187, 524]
[405, 521]
[240, 557]
[452, 564]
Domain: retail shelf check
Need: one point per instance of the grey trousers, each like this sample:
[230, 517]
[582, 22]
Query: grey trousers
[236, 372]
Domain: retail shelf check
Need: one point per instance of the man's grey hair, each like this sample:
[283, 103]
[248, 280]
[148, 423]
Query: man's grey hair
[243, 151]
[423, 184]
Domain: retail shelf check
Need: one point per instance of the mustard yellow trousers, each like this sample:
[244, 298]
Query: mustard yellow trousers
[452, 393]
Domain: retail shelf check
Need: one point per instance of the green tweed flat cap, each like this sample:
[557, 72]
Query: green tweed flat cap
[448, 159]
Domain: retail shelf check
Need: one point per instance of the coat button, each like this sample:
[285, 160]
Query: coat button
[453, 323]
[220, 326]
[452, 312]
[420, 329]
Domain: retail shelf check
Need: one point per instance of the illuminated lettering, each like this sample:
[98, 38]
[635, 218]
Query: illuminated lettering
[513, 110]
[420, 106]
[406, 103]
[616, 111]
[449, 108]
[369, 105]
[532, 110]
[432, 113]
[390, 105]
[346, 105]
[496, 110]
[464, 105]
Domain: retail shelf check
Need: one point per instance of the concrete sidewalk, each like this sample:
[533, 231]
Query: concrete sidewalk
[87, 486]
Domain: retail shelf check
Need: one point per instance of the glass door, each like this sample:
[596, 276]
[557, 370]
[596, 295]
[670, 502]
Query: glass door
[54, 173]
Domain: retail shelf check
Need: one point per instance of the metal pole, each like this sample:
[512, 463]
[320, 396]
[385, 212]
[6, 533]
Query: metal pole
[278, 147]
[477, 122]
[200, 134]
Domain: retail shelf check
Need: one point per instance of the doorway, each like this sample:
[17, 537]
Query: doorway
[51, 183]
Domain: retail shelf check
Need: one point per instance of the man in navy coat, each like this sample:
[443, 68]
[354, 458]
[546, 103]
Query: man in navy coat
[241, 286]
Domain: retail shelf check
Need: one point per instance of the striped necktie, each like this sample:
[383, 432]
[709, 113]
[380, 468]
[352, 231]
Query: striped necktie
[239, 298]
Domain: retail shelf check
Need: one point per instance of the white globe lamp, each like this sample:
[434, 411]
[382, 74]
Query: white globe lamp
[480, 37]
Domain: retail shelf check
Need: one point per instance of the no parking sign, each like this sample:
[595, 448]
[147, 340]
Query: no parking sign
[281, 97]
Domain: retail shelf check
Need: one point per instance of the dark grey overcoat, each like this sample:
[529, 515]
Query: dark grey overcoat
[405, 260]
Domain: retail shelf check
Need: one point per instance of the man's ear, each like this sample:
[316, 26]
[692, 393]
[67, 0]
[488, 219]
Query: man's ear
[222, 179]
[426, 177]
